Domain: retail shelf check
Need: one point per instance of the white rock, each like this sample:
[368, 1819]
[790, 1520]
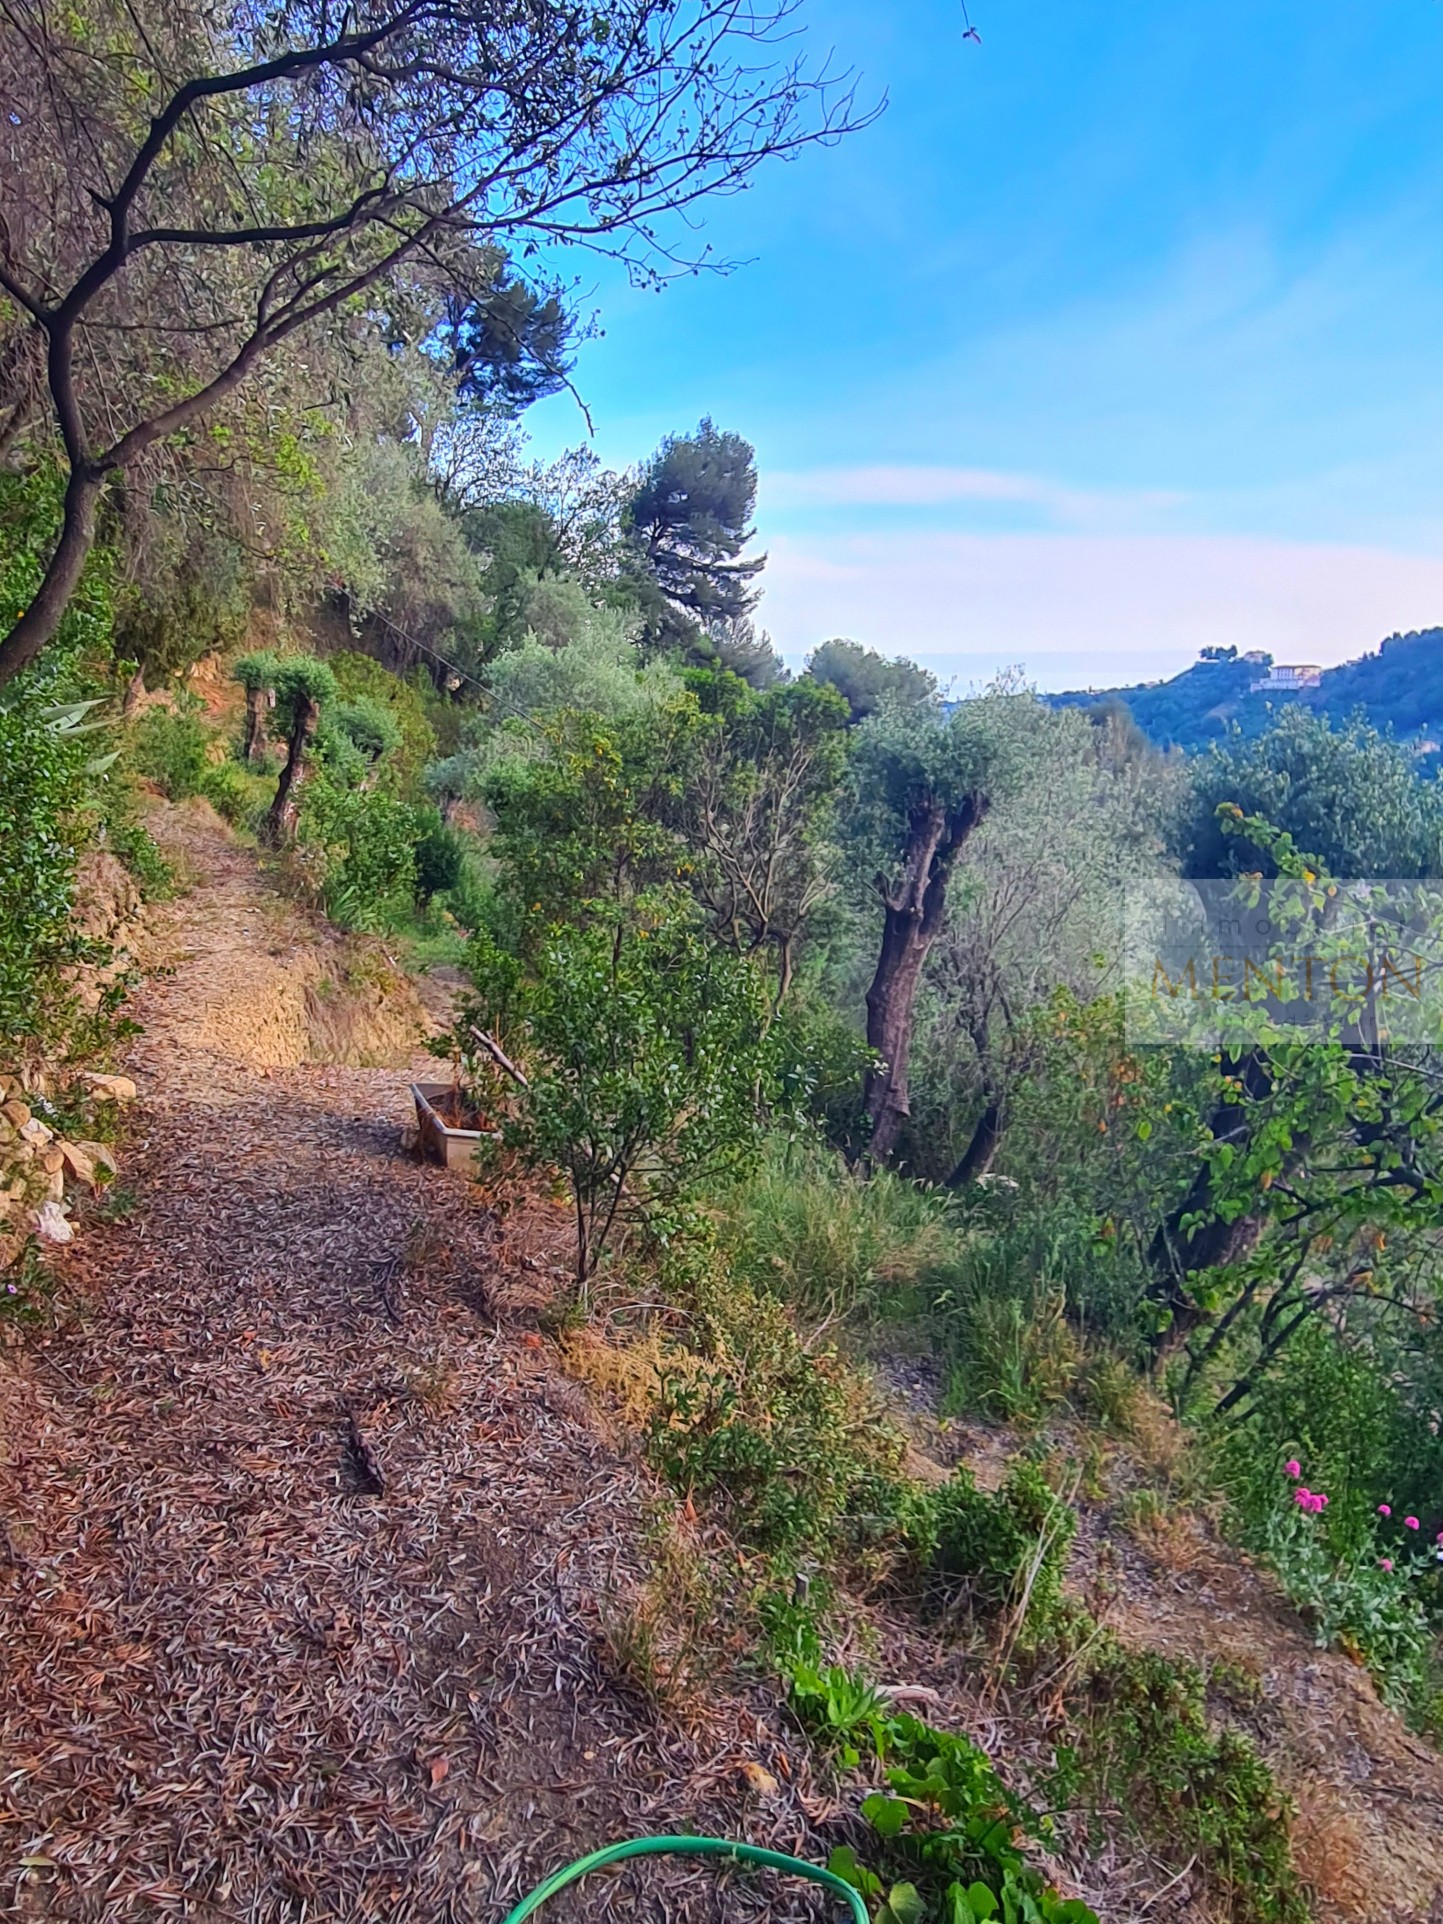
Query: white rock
[50, 1224]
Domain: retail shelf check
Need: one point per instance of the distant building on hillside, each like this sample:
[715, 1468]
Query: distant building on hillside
[1259, 657]
[1287, 680]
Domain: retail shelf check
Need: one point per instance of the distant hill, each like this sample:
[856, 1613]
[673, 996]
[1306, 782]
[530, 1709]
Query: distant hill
[1400, 687]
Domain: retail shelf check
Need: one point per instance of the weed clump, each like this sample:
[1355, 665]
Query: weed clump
[788, 1441]
[1004, 1551]
[1144, 1744]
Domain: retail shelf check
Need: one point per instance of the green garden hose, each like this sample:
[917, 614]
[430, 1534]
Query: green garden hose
[687, 1847]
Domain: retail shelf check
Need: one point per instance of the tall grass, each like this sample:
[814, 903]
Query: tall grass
[809, 1230]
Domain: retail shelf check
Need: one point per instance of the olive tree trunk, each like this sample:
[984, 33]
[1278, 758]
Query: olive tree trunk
[914, 912]
[257, 705]
[285, 809]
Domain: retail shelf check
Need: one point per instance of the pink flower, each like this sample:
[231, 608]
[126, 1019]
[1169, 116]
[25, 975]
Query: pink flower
[1293, 1468]
[1303, 1499]
[1320, 1502]
[1385, 1563]
[1385, 1509]
[1440, 1536]
[1410, 1523]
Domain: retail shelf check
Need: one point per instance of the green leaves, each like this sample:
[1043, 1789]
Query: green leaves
[903, 1906]
[887, 1815]
[948, 1826]
[649, 1055]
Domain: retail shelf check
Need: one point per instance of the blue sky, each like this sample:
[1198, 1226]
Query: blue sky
[1117, 334]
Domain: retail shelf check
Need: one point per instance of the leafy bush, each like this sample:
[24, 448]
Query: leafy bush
[1327, 1402]
[1005, 1551]
[359, 678]
[136, 847]
[440, 855]
[784, 1438]
[42, 829]
[1145, 1746]
[1358, 1597]
[648, 1054]
[225, 787]
[370, 728]
[170, 748]
[366, 842]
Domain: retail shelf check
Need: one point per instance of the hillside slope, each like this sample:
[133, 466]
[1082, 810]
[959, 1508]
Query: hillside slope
[1399, 686]
[315, 1563]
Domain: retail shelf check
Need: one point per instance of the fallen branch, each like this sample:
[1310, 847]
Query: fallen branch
[499, 1056]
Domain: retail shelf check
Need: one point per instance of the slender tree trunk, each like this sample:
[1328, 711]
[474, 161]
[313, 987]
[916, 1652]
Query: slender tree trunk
[784, 970]
[286, 808]
[255, 736]
[1175, 1255]
[981, 1151]
[38, 623]
[914, 912]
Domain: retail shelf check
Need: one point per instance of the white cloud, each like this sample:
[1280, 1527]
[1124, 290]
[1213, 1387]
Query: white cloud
[1091, 610]
[922, 485]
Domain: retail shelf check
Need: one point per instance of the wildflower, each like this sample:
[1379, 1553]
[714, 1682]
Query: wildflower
[1320, 1502]
[1293, 1468]
[1385, 1563]
[1410, 1523]
[1303, 1499]
[1385, 1509]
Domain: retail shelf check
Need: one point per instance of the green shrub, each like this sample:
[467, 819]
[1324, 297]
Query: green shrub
[136, 847]
[785, 1439]
[366, 844]
[946, 1834]
[371, 728]
[1327, 1402]
[225, 787]
[440, 855]
[1146, 1748]
[1004, 1551]
[42, 828]
[648, 1053]
[359, 677]
[170, 748]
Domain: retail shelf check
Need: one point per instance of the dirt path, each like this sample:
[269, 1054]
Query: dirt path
[307, 1547]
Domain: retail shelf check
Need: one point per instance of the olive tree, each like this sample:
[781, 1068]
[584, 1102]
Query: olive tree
[302, 687]
[923, 784]
[256, 673]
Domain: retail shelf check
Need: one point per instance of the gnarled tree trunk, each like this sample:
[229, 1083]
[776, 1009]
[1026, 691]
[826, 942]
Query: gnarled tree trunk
[42, 617]
[286, 808]
[977, 1158]
[914, 913]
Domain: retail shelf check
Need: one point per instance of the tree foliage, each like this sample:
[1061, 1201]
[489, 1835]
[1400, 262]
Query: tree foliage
[689, 520]
[201, 189]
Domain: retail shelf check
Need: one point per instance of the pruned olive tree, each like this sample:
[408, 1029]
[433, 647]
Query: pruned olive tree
[1044, 914]
[303, 686]
[923, 785]
[186, 190]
